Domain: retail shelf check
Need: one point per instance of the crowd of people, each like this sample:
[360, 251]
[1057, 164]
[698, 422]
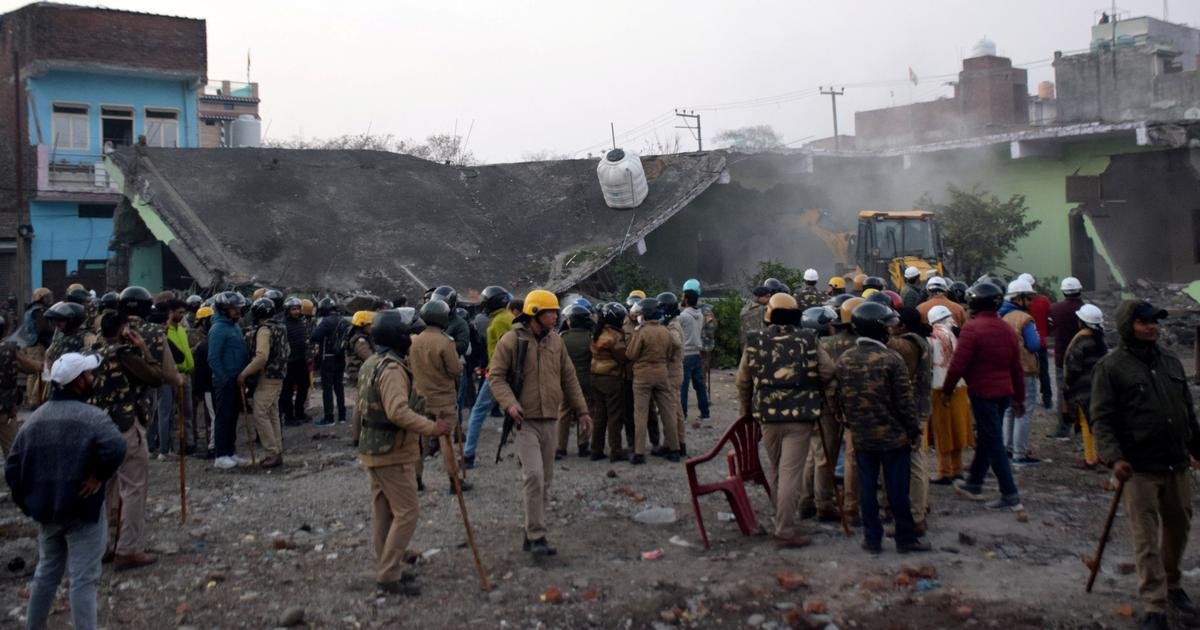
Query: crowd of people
[851, 383]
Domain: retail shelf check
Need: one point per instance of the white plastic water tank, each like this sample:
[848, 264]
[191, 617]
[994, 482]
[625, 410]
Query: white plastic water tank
[622, 179]
[984, 48]
[247, 131]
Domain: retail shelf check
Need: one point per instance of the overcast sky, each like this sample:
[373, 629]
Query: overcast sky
[550, 75]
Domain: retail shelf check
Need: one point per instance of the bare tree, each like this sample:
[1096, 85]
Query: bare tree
[441, 147]
[750, 139]
[544, 155]
[660, 146]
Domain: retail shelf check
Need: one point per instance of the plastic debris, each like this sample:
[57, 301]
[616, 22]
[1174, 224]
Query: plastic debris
[652, 555]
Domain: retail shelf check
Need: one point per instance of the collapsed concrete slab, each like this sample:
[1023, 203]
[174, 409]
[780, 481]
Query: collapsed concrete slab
[385, 223]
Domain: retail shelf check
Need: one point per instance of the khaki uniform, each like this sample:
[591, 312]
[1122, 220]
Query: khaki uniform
[389, 448]
[651, 351]
[548, 383]
[436, 368]
[270, 358]
[675, 374]
[608, 390]
[781, 381]
[918, 360]
[817, 489]
[122, 379]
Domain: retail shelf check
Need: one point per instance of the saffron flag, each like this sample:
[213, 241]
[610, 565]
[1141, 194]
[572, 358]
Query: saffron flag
[912, 76]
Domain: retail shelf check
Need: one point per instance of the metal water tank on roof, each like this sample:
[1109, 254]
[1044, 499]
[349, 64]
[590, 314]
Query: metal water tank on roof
[984, 48]
[622, 179]
[247, 131]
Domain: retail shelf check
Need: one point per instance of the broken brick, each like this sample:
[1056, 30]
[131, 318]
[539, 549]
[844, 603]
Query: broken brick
[591, 596]
[904, 579]
[815, 607]
[552, 596]
[872, 584]
[927, 571]
[791, 581]
[1022, 517]
[1125, 611]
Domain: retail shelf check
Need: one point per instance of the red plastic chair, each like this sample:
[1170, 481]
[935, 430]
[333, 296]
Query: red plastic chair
[744, 467]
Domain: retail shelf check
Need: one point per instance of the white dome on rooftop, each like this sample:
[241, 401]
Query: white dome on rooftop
[984, 48]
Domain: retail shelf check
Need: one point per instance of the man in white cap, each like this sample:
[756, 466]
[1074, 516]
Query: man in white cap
[808, 295]
[59, 463]
[1015, 312]
[914, 294]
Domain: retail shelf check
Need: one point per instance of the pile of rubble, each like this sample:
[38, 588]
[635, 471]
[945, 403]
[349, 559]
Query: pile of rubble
[1179, 330]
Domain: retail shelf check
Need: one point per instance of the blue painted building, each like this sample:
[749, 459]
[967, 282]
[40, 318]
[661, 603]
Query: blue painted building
[91, 80]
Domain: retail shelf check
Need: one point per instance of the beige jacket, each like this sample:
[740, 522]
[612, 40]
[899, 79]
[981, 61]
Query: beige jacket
[549, 376]
[435, 367]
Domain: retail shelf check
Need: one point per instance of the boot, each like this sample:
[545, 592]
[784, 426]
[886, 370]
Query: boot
[1063, 432]
[400, 587]
[124, 562]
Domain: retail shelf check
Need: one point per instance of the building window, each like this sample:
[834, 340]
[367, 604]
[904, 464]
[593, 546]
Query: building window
[162, 128]
[116, 126]
[96, 210]
[69, 126]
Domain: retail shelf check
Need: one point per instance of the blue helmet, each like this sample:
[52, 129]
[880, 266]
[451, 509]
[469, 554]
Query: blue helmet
[692, 285]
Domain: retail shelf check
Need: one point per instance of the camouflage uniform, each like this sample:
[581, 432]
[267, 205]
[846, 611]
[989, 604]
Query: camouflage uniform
[353, 361]
[781, 380]
[79, 341]
[753, 318]
[124, 376]
[836, 346]
[874, 396]
[817, 488]
[809, 296]
[10, 395]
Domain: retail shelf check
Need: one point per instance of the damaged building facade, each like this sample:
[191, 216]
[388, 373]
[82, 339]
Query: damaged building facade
[1109, 164]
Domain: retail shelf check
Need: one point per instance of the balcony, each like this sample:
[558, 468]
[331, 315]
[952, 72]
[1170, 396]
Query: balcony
[74, 176]
[232, 90]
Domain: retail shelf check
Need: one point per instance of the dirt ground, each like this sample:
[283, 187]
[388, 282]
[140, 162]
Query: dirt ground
[223, 568]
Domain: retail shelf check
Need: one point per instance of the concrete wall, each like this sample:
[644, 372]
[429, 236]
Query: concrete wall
[1126, 83]
[145, 266]
[60, 234]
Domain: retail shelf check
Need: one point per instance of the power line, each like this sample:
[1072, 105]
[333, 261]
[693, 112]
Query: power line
[833, 94]
[684, 114]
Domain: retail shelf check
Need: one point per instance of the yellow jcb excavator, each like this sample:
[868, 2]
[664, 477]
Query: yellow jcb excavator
[889, 242]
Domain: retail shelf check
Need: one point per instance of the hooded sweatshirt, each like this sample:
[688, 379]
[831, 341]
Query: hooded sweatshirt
[1141, 407]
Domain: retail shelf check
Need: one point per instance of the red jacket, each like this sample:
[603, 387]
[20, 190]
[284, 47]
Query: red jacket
[1065, 324]
[988, 358]
[1039, 309]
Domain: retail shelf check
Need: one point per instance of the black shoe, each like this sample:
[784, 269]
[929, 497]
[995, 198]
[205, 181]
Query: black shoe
[914, 546]
[672, 456]
[682, 449]
[597, 456]
[420, 484]
[661, 451]
[872, 548]
[637, 460]
[400, 587]
[540, 547]
[807, 513]
[584, 451]
[462, 484]
[558, 455]
[1179, 600]
[1153, 621]
[469, 462]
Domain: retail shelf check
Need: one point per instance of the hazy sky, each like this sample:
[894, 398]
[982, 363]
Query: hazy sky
[550, 75]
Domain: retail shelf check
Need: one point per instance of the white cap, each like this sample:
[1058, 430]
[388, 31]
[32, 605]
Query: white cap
[912, 272]
[811, 275]
[937, 282]
[1090, 314]
[938, 313]
[69, 366]
[1028, 277]
[1019, 287]
[1071, 284]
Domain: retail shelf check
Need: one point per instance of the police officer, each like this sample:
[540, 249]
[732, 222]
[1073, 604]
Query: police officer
[294, 394]
[389, 446]
[270, 359]
[12, 363]
[754, 313]
[70, 334]
[914, 294]
[577, 338]
[874, 396]
[809, 295]
[127, 370]
[358, 346]
[837, 286]
[548, 380]
[817, 487]
[781, 379]
[651, 351]
[908, 339]
[608, 391]
[435, 366]
[836, 346]
[330, 335]
[457, 326]
[669, 303]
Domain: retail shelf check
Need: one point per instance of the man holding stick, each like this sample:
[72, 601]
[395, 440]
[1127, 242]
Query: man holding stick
[1145, 424]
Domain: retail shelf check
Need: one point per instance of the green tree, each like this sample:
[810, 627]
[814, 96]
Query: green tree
[979, 229]
[750, 139]
[728, 311]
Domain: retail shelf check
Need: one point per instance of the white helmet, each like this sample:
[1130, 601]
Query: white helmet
[1019, 287]
[912, 272]
[1028, 277]
[811, 275]
[1071, 285]
[1090, 314]
[937, 283]
[938, 313]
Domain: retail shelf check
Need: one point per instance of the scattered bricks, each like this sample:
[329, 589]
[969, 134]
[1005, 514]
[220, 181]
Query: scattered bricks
[872, 584]
[590, 596]
[927, 571]
[791, 581]
[552, 596]
[966, 539]
[904, 580]
[1126, 568]
[1125, 611]
[1022, 516]
[815, 607]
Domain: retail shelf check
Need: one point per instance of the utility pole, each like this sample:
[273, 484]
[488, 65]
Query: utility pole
[833, 94]
[683, 113]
